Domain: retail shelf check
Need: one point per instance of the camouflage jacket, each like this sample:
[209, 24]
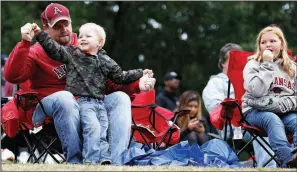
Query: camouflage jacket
[86, 74]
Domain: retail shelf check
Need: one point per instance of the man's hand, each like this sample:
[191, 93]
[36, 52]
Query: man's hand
[267, 55]
[27, 32]
[146, 83]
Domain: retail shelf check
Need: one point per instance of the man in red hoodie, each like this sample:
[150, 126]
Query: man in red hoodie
[47, 77]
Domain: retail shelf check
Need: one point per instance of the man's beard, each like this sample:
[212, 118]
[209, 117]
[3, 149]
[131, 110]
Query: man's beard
[64, 41]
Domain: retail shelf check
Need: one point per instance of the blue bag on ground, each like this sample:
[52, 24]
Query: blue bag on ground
[218, 153]
[212, 153]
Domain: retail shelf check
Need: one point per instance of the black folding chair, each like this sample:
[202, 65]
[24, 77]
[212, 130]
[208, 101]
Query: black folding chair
[45, 141]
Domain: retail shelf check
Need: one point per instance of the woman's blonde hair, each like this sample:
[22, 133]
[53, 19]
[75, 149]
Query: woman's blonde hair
[97, 29]
[286, 63]
[184, 100]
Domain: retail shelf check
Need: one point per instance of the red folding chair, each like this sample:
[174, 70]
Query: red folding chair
[17, 118]
[237, 62]
[152, 123]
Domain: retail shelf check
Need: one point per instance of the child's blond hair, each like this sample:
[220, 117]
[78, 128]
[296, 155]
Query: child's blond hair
[97, 29]
[287, 63]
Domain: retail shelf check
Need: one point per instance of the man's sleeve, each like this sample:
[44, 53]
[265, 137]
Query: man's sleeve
[129, 89]
[20, 65]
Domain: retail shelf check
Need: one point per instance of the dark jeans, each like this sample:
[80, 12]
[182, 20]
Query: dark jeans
[194, 137]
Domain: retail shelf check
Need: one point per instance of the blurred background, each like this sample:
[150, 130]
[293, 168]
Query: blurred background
[184, 37]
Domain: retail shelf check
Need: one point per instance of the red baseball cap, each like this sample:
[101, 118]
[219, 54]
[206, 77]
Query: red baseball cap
[53, 13]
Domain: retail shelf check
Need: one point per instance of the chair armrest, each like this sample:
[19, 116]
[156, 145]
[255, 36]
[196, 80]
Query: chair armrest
[180, 113]
[143, 129]
[215, 136]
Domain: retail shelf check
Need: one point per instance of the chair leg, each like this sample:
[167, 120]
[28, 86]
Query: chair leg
[273, 157]
[45, 156]
[46, 150]
[270, 159]
[246, 145]
[34, 148]
[30, 148]
[15, 147]
[155, 146]
[141, 134]
[225, 132]
[170, 135]
[253, 158]
[130, 140]
[159, 144]
[164, 137]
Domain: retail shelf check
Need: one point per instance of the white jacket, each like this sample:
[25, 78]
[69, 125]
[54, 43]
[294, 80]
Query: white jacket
[216, 91]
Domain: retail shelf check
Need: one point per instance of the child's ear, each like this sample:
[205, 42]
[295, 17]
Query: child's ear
[100, 42]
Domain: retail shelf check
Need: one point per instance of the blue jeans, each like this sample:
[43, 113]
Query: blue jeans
[94, 123]
[118, 106]
[261, 155]
[275, 126]
[64, 110]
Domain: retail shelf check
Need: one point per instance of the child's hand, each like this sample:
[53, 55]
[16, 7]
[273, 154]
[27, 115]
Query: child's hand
[36, 29]
[27, 32]
[149, 73]
[267, 55]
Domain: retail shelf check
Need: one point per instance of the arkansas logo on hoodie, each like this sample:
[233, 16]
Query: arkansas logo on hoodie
[282, 82]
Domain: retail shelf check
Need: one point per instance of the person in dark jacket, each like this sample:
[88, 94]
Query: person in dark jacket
[168, 98]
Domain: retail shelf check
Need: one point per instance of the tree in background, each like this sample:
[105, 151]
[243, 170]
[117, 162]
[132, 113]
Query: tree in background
[181, 36]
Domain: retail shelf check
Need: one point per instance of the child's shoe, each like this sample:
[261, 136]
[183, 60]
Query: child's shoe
[292, 163]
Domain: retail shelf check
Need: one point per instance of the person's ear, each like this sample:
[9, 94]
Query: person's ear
[100, 42]
[221, 64]
[45, 27]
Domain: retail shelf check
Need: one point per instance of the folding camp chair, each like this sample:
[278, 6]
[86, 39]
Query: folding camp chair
[152, 123]
[17, 118]
[237, 61]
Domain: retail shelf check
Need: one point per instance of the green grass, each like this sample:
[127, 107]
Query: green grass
[68, 167]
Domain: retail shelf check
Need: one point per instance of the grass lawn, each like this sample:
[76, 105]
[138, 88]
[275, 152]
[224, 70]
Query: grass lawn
[68, 167]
